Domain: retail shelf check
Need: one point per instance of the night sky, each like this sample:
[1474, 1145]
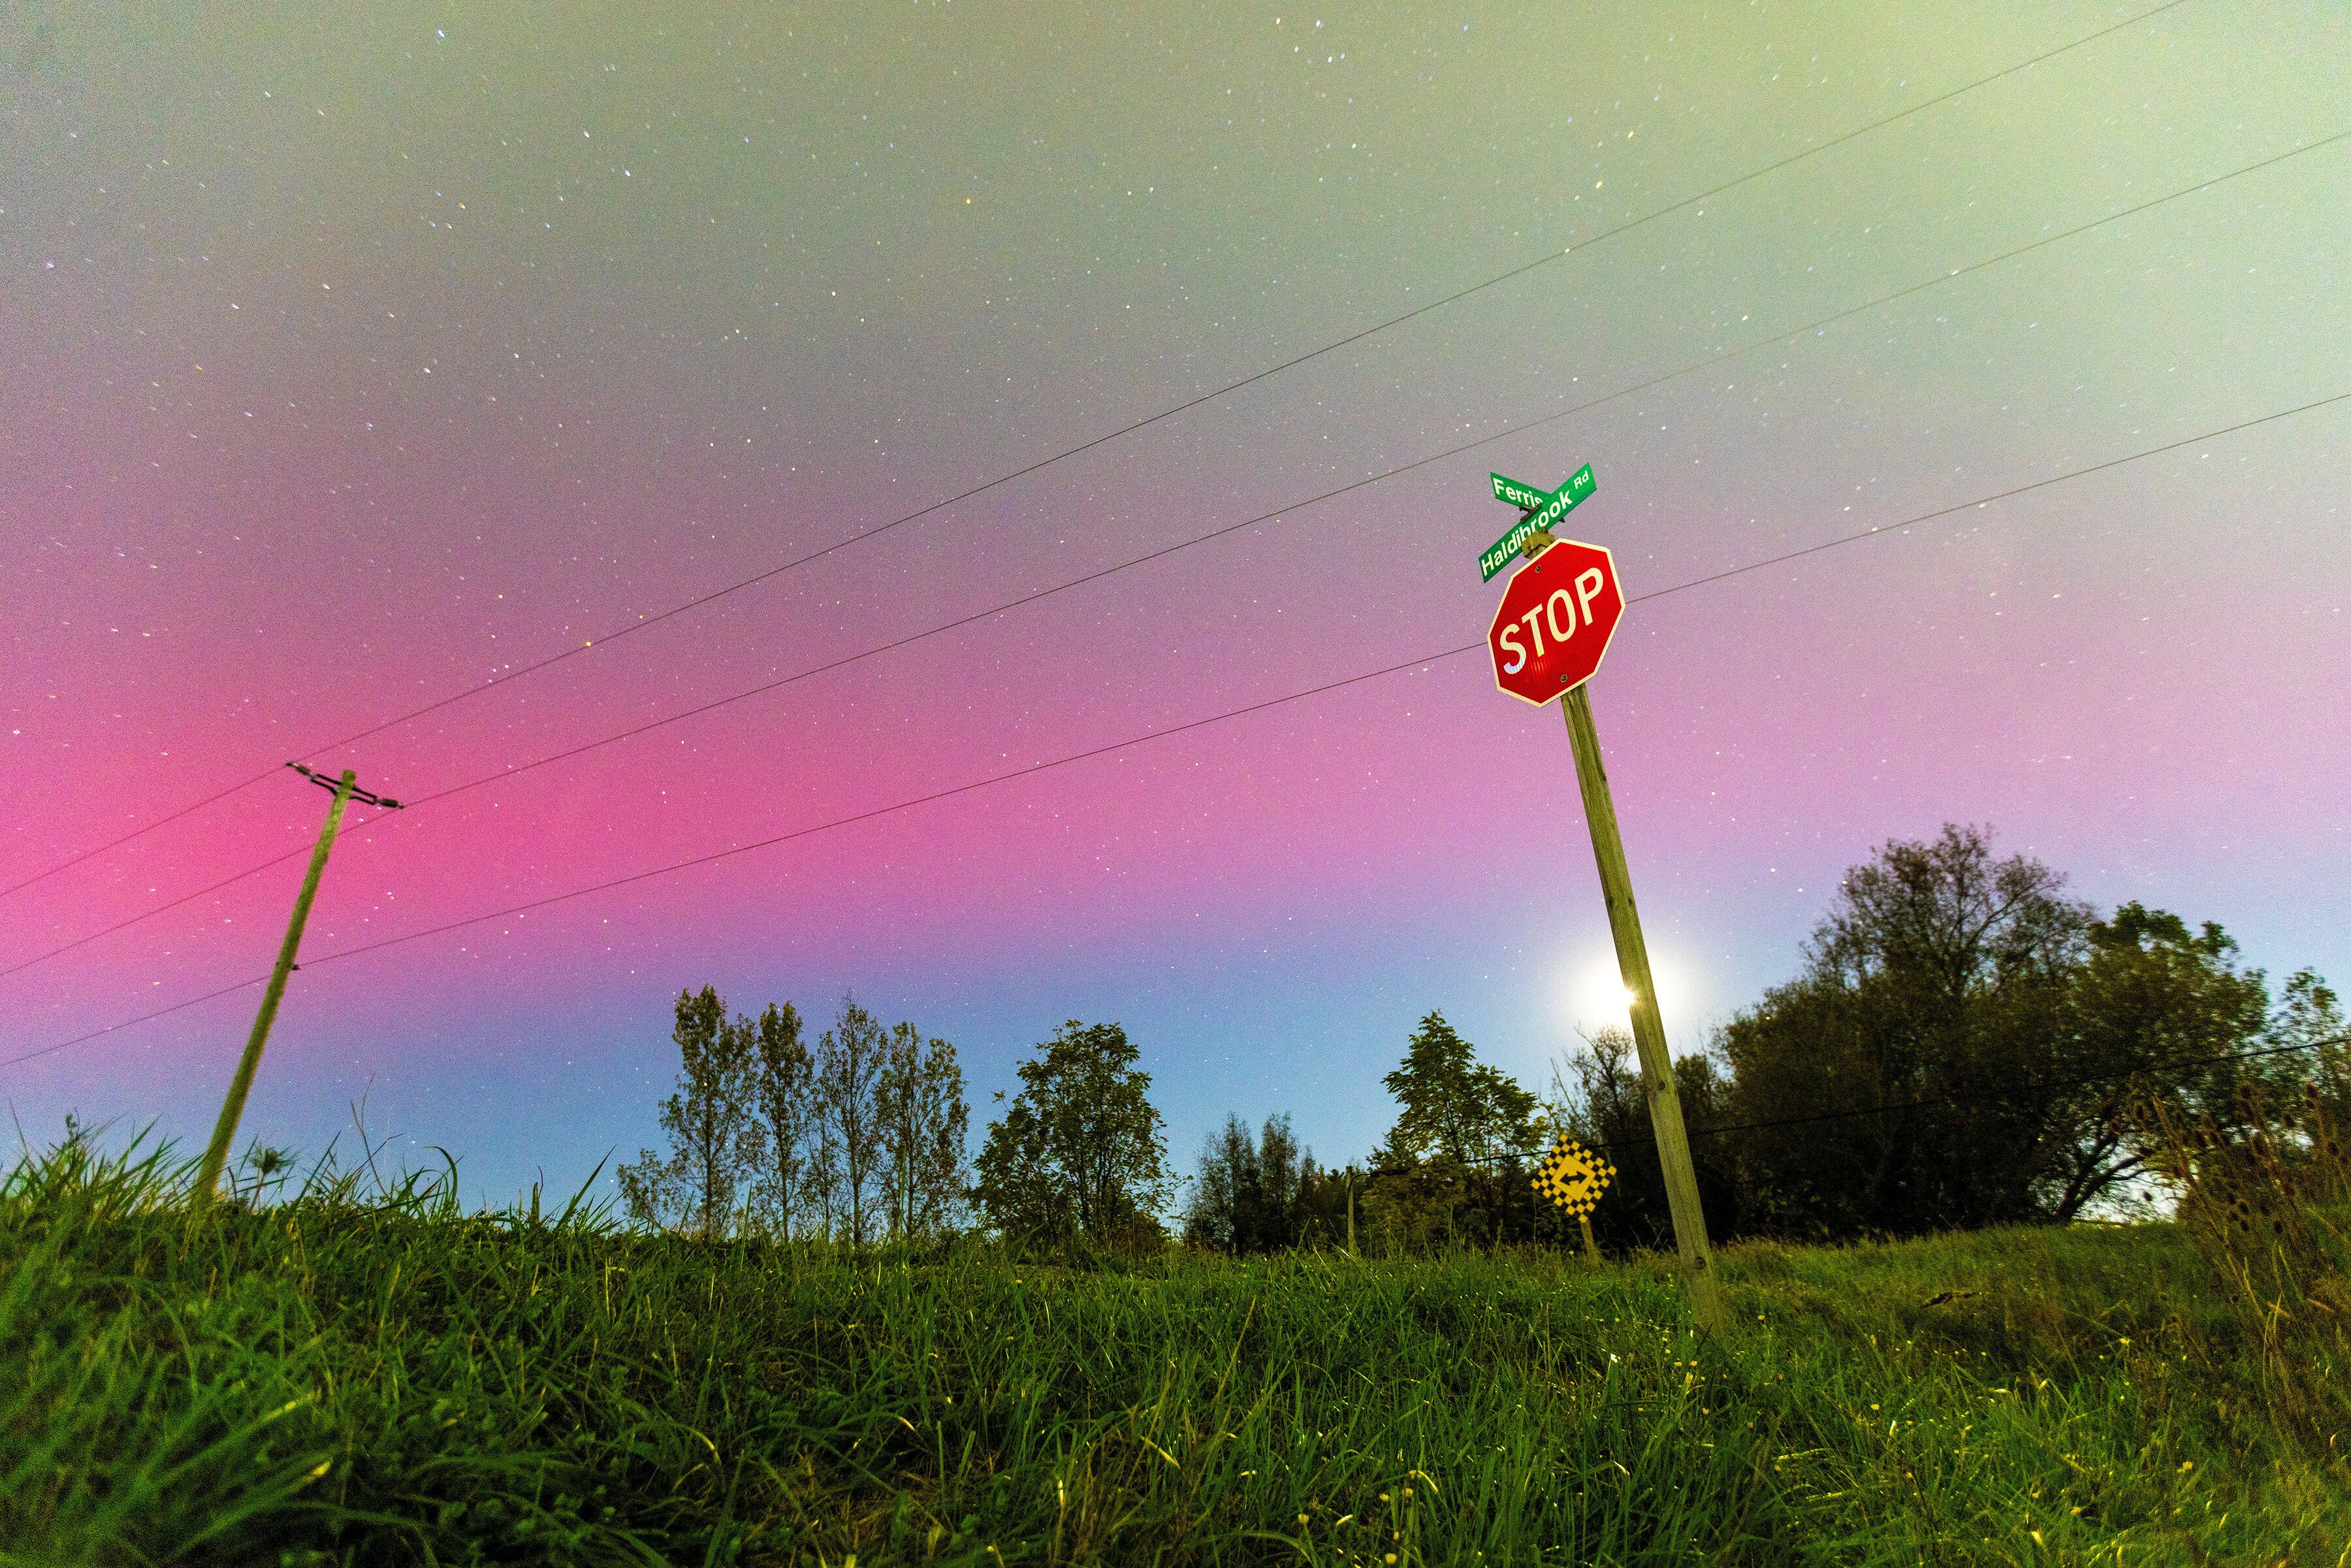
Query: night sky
[355, 358]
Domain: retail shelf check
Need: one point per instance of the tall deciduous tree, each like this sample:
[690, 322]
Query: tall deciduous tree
[1080, 1151]
[1995, 1048]
[820, 1168]
[1453, 1165]
[1933, 995]
[1253, 1191]
[924, 1121]
[784, 1101]
[708, 1120]
[2151, 1007]
[2307, 1026]
[849, 1066]
[1455, 1109]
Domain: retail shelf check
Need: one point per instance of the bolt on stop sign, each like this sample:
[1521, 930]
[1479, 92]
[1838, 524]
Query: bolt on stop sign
[1557, 614]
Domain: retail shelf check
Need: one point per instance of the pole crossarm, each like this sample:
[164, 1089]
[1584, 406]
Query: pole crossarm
[353, 790]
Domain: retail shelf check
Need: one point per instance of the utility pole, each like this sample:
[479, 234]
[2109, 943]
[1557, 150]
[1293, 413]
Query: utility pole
[216, 1155]
[1648, 1033]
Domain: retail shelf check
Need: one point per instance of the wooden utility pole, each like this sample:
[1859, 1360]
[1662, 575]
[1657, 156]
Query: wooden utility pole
[1648, 1033]
[216, 1154]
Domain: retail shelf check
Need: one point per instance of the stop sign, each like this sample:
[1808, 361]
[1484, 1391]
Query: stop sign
[1557, 615]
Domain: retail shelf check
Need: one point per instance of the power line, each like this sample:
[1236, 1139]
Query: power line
[1164, 414]
[125, 924]
[1872, 532]
[972, 786]
[868, 815]
[1068, 584]
[1245, 382]
[142, 1017]
[1987, 500]
[1023, 601]
[192, 806]
[966, 788]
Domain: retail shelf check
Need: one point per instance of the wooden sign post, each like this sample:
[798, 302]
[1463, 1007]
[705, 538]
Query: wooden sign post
[1557, 616]
[1574, 1177]
[1648, 1033]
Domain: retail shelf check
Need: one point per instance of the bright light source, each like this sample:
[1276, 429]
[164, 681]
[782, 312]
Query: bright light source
[1593, 995]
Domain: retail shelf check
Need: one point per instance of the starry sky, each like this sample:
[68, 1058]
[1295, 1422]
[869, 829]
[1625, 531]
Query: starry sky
[353, 359]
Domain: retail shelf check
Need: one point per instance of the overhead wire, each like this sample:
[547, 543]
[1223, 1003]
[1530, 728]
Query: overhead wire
[866, 535]
[514, 911]
[351, 832]
[1260, 706]
[1082, 580]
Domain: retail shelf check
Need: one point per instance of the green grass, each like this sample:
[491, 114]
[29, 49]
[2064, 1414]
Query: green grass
[392, 1381]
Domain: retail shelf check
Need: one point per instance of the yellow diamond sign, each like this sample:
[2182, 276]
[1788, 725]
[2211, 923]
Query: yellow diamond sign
[1573, 1177]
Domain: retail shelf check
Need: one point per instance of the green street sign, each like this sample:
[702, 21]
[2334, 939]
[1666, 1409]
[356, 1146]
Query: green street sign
[1541, 508]
[1525, 497]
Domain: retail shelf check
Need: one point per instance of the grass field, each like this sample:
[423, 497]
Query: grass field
[330, 1380]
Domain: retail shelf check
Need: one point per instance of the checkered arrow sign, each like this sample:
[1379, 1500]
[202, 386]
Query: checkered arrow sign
[1573, 1177]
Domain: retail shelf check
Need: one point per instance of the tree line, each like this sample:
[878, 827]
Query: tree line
[861, 1136]
[1963, 1046]
[858, 1137]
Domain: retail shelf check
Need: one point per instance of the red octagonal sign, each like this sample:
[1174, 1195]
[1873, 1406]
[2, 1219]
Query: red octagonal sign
[1557, 615]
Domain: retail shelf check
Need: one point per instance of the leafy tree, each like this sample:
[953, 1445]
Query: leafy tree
[1227, 1168]
[1079, 1151]
[1968, 1047]
[1253, 1193]
[820, 1164]
[784, 1095]
[2307, 1024]
[849, 1068]
[1933, 992]
[923, 1120]
[1453, 1165]
[708, 1121]
[1457, 1109]
[1802, 1066]
[2148, 1006]
[1948, 920]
